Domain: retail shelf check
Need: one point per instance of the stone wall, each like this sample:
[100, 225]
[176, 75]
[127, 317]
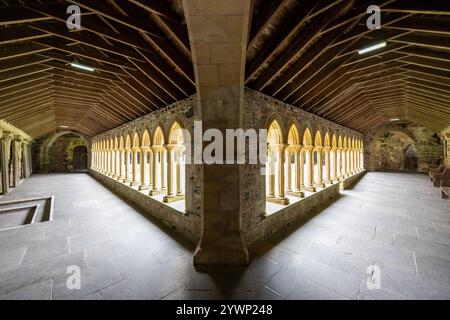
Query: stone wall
[54, 152]
[185, 112]
[259, 109]
[391, 147]
[446, 139]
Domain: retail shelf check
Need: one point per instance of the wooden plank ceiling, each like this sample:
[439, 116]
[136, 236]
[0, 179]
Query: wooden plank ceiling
[303, 52]
[139, 49]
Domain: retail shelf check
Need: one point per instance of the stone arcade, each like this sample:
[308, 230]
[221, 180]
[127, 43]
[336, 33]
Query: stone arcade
[99, 121]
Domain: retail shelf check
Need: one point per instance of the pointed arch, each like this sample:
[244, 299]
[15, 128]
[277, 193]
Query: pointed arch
[158, 137]
[326, 142]
[128, 141]
[274, 133]
[146, 140]
[307, 137]
[318, 139]
[293, 135]
[136, 140]
[334, 143]
[176, 133]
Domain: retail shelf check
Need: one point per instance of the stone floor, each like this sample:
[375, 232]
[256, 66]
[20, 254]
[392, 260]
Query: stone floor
[396, 222]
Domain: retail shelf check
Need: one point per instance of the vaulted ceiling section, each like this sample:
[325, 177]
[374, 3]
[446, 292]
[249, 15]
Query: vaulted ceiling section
[303, 52]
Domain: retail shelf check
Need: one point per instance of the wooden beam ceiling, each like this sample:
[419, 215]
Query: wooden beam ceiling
[139, 50]
[302, 52]
[313, 62]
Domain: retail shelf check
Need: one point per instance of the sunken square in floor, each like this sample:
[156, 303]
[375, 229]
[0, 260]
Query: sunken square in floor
[19, 213]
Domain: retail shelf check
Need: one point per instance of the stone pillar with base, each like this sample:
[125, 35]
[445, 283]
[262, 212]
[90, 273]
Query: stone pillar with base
[179, 156]
[333, 174]
[309, 168]
[218, 34]
[344, 163]
[127, 178]
[5, 147]
[136, 168]
[281, 195]
[319, 183]
[271, 164]
[144, 172]
[327, 178]
[155, 183]
[164, 164]
[298, 174]
[169, 153]
[173, 160]
[288, 171]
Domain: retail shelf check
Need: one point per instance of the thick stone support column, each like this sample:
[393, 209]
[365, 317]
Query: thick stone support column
[218, 33]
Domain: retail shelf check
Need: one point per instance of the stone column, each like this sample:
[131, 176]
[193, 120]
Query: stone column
[5, 151]
[319, 182]
[271, 164]
[163, 170]
[298, 169]
[112, 154]
[169, 174]
[178, 159]
[344, 163]
[218, 34]
[333, 173]
[136, 168]
[127, 166]
[16, 163]
[281, 195]
[347, 161]
[121, 165]
[117, 162]
[155, 184]
[327, 178]
[309, 168]
[144, 172]
[289, 171]
[301, 158]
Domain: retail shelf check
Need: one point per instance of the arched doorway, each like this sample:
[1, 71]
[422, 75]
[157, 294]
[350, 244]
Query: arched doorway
[80, 158]
[411, 158]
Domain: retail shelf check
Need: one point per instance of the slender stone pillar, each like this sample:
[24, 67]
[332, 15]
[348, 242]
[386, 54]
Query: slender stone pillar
[178, 173]
[127, 178]
[5, 151]
[310, 169]
[218, 34]
[155, 184]
[289, 171]
[301, 158]
[297, 183]
[327, 178]
[344, 163]
[136, 167]
[271, 160]
[144, 169]
[281, 195]
[163, 170]
[16, 165]
[319, 183]
[169, 173]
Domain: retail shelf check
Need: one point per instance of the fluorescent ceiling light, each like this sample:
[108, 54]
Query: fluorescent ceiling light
[373, 47]
[394, 119]
[83, 67]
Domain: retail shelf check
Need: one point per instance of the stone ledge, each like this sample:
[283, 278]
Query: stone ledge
[185, 225]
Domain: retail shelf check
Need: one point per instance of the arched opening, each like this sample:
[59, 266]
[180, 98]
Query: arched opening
[411, 158]
[294, 166]
[175, 164]
[275, 186]
[80, 156]
[159, 163]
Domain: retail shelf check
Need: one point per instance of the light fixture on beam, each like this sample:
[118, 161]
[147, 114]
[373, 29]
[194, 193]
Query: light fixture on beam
[82, 67]
[394, 119]
[373, 47]
[64, 126]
